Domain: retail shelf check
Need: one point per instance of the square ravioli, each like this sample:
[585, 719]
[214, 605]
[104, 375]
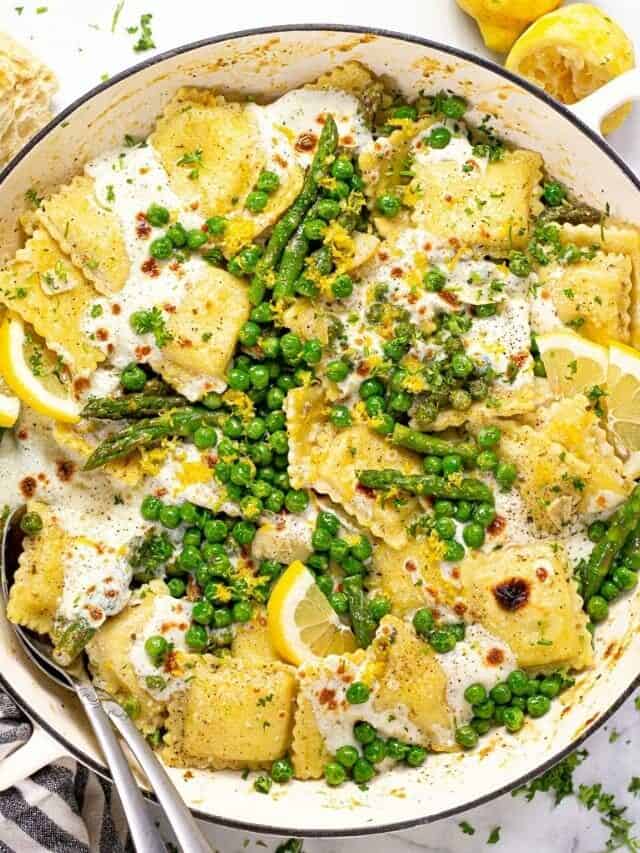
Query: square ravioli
[525, 595]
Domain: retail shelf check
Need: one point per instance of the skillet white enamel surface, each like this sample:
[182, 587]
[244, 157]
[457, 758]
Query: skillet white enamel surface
[266, 63]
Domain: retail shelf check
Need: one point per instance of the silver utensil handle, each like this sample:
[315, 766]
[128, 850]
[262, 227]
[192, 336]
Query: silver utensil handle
[178, 815]
[144, 833]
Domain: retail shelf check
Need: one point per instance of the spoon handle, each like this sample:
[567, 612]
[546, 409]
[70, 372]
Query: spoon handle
[144, 833]
[178, 815]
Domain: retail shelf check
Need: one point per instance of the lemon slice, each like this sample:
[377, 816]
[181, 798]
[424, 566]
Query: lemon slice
[302, 623]
[502, 21]
[573, 363]
[9, 410]
[572, 52]
[30, 378]
[623, 402]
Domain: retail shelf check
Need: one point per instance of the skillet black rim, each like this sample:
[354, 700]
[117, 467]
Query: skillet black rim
[397, 826]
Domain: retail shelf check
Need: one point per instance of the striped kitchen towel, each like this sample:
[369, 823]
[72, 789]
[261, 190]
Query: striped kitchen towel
[63, 807]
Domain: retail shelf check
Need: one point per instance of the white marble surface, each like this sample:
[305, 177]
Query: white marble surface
[75, 38]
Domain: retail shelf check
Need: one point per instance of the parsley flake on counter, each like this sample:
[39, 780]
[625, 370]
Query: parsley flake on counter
[466, 827]
[145, 42]
[494, 835]
[558, 779]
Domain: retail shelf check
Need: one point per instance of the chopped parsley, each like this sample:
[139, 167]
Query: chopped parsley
[33, 198]
[152, 321]
[558, 779]
[494, 835]
[634, 786]
[595, 395]
[116, 15]
[466, 828]
[145, 41]
[192, 158]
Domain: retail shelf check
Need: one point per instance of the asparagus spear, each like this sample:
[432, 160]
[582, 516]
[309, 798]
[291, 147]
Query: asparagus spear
[70, 639]
[147, 433]
[363, 624]
[288, 223]
[426, 485]
[621, 526]
[132, 406]
[572, 213]
[422, 442]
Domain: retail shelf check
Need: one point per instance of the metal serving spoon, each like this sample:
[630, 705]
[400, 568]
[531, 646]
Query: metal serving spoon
[102, 711]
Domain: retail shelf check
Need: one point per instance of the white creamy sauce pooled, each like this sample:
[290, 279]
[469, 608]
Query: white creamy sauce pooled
[459, 150]
[170, 619]
[501, 338]
[96, 582]
[336, 717]
[469, 663]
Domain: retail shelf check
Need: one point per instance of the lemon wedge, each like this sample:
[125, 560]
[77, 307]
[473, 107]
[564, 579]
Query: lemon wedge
[573, 51]
[623, 402]
[23, 381]
[573, 364]
[9, 410]
[302, 624]
[502, 21]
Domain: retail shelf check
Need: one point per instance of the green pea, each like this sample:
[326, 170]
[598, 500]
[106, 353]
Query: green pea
[195, 238]
[362, 771]
[334, 774]
[519, 702]
[338, 190]
[357, 693]
[192, 536]
[453, 107]
[550, 687]
[155, 682]
[212, 401]
[444, 509]
[518, 682]
[342, 168]
[215, 530]
[466, 736]
[383, 424]
[222, 617]
[131, 707]
[337, 371]
[256, 201]
[353, 566]
[263, 314]
[487, 460]
[423, 621]
[445, 528]
[488, 437]
[296, 500]
[454, 551]
[463, 511]
[501, 693]
[506, 474]
[169, 516]
[241, 611]
[553, 193]
[251, 507]
[190, 558]
[157, 215]
[347, 756]
[281, 769]
[432, 464]
[243, 532]
[342, 286]
[396, 749]
[216, 225]
[597, 608]
[314, 229]
[275, 501]
[537, 706]
[484, 514]
[400, 401]
[327, 208]
[161, 248]
[177, 587]
[340, 602]
[416, 756]
[149, 510]
[133, 378]
[609, 591]
[439, 137]
[461, 365]
[379, 607]
[451, 464]
[156, 647]
[625, 579]
[340, 416]
[262, 784]
[202, 612]
[405, 111]
[291, 347]
[243, 472]
[268, 182]
[388, 205]
[232, 427]
[485, 710]
[197, 638]
[376, 751]
[362, 549]
[475, 694]
[513, 719]
[189, 513]
[442, 640]
[479, 726]
[329, 522]
[473, 535]
[205, 437]
[364, 732]
[338, 549]
[597, 531]
[177, 234]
